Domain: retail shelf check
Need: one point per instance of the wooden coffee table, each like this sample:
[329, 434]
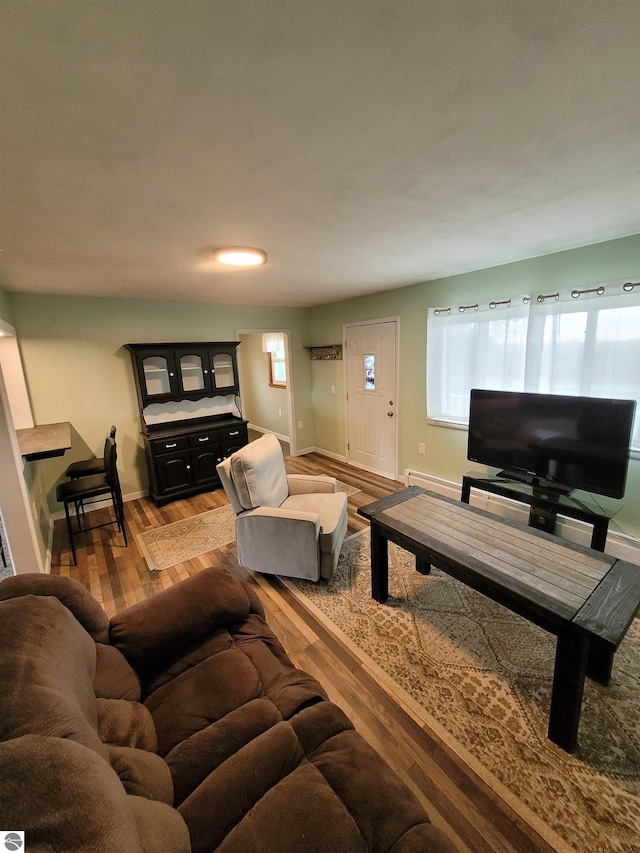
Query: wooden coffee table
[586, 598]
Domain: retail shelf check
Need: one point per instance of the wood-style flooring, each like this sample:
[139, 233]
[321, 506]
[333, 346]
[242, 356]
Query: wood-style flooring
[454, 797]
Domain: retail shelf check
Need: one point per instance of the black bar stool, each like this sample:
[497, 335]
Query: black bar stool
[81, 489]
[88, 467]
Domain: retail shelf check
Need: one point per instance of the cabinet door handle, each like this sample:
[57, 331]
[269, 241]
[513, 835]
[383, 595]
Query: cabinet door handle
[188, 467]
[237, 432]
[171, 374]
[204, 439]
[206, 371]
[169, 446]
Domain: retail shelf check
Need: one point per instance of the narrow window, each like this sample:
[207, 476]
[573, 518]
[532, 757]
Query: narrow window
[369, 373]
[277, 370]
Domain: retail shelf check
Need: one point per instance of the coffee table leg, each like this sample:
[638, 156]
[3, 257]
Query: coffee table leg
[572, 652]
[423, 566]
[379, 564]
[600, 662]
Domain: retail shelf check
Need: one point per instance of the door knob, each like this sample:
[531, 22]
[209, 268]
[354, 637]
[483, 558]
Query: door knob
[389, 414]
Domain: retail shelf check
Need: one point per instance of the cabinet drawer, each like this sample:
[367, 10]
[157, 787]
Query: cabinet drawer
[233, 433]
[202, 439]
[170, 445]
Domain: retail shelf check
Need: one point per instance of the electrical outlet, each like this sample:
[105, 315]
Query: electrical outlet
[300, 425]
[333, 389]
[279, 413]
[421, 448]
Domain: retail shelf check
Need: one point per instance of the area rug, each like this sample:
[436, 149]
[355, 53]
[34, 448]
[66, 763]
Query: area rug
[480, 678]
[174, 543]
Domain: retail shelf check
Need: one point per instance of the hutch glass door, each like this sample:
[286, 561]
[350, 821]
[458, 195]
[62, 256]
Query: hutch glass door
[223, 372]
[157, 376]
[191, 372]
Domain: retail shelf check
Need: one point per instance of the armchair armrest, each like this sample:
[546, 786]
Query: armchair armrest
[158, 627]
[304, 484]
[279, 541]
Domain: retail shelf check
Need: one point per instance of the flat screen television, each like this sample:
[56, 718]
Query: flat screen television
[552, 440]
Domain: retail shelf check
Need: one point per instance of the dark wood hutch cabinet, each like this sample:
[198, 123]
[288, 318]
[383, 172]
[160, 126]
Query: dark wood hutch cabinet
[183, 442]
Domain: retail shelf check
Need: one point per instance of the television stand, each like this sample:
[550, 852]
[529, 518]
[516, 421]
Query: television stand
[545, 503]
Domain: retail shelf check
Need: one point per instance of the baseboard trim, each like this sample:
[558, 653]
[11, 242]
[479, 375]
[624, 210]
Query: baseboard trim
[337, 457]
[618, 544]
[131, 496]
[264, 431]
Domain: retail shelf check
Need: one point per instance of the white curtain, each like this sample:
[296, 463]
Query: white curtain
[273, 342]
[481, 345]
[581, 342]
[586, 344]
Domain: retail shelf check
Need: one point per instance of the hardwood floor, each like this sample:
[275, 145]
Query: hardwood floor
[453, 796]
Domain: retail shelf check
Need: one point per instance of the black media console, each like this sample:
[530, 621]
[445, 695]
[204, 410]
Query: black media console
[545, 504]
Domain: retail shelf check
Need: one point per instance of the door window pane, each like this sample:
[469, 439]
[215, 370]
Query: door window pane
[369, 373]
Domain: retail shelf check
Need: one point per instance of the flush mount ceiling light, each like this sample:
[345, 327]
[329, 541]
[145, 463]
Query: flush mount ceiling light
[240, 256]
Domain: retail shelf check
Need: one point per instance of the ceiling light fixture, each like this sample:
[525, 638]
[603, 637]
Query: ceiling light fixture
[240, 256]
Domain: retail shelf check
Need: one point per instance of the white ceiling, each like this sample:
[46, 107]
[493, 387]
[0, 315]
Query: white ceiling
[364, 145]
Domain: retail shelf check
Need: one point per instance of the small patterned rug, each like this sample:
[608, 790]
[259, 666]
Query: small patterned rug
[480, 677]
[174, 543]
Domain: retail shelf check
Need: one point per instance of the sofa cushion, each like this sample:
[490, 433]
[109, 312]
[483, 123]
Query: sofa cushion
[193, 759]
[47, 672]
[142, 773]
[76, 802]
[201, 695]
[246, 663]
[258, 473]
[162, 627]
[124, 723]
[312, 777]
[115, 677]
[69, 591]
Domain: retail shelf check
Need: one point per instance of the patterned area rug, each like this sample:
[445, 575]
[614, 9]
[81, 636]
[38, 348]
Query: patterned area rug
[174, 543]
[480, 677]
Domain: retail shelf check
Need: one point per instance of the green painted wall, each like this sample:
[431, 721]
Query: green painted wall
[5, 307]
[263, 405]
[446, 448]
[77, 369]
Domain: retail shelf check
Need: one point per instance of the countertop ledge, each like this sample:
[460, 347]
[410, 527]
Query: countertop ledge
[44, 441]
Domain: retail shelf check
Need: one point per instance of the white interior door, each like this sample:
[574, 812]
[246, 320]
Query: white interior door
[371, 396]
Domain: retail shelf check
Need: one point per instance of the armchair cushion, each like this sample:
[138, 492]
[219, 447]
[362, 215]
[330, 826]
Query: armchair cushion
[331, 508]
[304, 484]
[258, 473]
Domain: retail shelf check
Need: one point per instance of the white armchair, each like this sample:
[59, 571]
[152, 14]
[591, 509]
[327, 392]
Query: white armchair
[287, 524]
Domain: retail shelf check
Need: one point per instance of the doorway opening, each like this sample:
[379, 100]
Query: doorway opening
[266, 390]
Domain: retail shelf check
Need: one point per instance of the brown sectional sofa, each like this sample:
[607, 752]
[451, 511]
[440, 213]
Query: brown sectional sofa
[180, 724]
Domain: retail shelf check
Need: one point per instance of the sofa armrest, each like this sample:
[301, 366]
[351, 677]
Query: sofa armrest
[304, 484]
[275, 540]
[159, 627]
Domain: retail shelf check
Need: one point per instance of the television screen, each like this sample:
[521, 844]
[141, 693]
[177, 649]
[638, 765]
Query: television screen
[567, 442]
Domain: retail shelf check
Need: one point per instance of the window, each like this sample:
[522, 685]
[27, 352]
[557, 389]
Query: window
[369, 373]
[277, 370]
[273, 343]
[583, 343]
